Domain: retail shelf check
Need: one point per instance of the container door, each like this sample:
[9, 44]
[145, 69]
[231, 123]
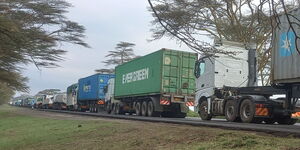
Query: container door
[178, 75]
[187, 83]
[103, 80]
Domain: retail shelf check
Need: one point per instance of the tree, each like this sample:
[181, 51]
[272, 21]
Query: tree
[242, 21]
[49, 91]
[33, 31]
[123, 53]
[6, 93]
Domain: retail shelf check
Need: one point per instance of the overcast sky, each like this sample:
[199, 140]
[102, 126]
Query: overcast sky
[107, 23]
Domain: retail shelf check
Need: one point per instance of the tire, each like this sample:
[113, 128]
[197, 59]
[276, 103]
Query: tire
[150, 110]
[247, 111]
[113, 108]
[93, 109]
[108, 108]
[144, 108]
[203, 111]
[287, 121]
[230, 111]
[117, 109]
[138, 109]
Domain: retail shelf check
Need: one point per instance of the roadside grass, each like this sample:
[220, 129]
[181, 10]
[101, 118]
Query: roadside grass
[195, 114]
[192, 114]
[22, 132]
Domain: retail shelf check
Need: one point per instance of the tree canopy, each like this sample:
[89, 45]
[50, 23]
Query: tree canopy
[245, 21]
[34, 31]
[123, 53]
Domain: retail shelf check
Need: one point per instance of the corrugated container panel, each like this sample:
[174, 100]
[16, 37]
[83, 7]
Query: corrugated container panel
[164, 71]
[91, 88]
[285, 58]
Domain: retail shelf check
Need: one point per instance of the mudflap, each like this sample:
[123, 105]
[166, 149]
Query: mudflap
[184, 108]
[157, 106]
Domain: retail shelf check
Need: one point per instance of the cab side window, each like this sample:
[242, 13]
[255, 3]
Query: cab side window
[199, 68]
[202, 68]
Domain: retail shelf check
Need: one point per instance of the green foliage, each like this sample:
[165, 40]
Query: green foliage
[241, 21]
[123, 53]
[6, 93]
[192, 114]
[33, 31]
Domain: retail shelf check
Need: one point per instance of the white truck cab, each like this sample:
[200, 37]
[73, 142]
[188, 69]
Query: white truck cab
[221, 70]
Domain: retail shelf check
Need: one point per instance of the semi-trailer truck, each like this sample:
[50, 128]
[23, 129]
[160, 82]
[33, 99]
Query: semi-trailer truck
[59, 101]
[226, 86]
[47, 101]
[160, 83]
[91, 92]
[72, 92]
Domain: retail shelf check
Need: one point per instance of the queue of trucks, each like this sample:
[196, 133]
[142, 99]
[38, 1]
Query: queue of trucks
[167, 82]
[159, 84]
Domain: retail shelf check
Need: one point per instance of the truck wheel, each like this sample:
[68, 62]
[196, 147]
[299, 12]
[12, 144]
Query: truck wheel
[108, 108]
[117, 108]
[230, 111]
[150, 109]
[247, 111]
[144, 108]
[287, 121]
[113, 108]
[138, 109]
[203, 111]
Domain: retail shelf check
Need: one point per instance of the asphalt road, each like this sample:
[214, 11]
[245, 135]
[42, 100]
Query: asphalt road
[276, 129]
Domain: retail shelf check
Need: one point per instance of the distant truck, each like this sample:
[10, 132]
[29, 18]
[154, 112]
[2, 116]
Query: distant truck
[39, 101]
[59, 101]
[48, 101]
[159, 84]
[72, 92]
[91, 92]
[226, 86]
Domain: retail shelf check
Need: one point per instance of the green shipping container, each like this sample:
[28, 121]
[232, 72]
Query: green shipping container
[162, 72]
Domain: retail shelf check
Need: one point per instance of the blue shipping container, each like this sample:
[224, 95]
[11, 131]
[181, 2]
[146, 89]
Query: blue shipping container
[91, 87]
